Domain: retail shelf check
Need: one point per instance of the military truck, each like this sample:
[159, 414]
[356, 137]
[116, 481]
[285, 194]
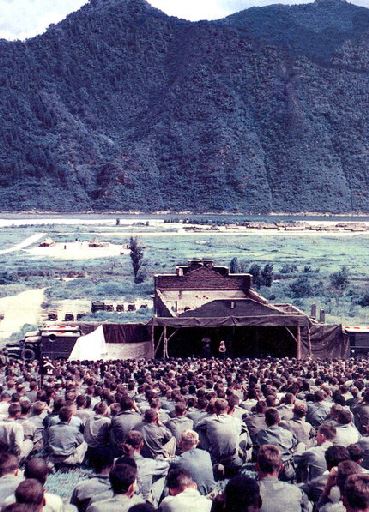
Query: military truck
[50, 340]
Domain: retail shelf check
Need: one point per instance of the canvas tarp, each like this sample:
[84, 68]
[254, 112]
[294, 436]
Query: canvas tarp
[317, 340]
[326, 341]
[120, 333]
[234, 321]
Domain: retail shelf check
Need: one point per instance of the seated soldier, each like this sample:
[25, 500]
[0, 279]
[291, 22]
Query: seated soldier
[276, 495]
[12, 433]
[122, 480]
[150, 472]
[158, 439]
[285, 440]
[66, 443]
[38, 469]
[183, 494]
[197, 462]
[10, 476]
[102, 461]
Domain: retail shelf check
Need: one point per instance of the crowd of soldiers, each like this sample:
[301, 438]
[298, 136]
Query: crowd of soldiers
[183, 435]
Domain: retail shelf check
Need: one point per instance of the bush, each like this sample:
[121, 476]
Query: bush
[288, 268]
[301, 287]
[364, 301]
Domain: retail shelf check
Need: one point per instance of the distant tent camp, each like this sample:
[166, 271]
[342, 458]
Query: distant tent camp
[97, 243]
[48, 242]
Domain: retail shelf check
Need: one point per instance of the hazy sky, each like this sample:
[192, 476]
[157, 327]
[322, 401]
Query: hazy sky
[20, 19]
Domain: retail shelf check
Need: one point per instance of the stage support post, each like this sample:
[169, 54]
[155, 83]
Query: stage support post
[153, 339]
[298, 339]
[165, 343]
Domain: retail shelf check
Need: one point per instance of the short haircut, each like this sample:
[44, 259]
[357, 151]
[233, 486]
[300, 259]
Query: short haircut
[189, 438]
[356, 492]
[344, 470]
[240, 493]
[38, 408]
[30, 492]
[233, 401]
[101, 408]
[134, 438]
[269, 458]
[336, 454]
[179, 479]
[150, 416]
[289, 398]
[356, 452]
[319, 396]
[14, 409]
[18, 507]
[328, 431]
[271, 417]
[121, 477]
[260, 406]
[344, 417]
[38, 469]
[25, 406]
[66, 413]
[8, 463]
[180, 408]
[81, 401]
[142, 507]
[221, 406]
[101, 457]
[126, 403]
[299, 409]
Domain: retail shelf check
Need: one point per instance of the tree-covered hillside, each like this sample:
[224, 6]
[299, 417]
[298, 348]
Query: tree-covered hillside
[122, 107]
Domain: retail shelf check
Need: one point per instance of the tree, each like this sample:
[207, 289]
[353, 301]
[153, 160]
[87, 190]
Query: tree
[234, 267]
[261, 277]
[136, 255]
[255, 271]
[340, 280]
[267, 275]
[301, 287]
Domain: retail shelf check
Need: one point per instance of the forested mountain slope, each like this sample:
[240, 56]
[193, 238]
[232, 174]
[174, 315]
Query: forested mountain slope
[122, 107]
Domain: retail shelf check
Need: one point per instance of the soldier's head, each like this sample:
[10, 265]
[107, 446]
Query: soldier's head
[326, 432]
[189, 440]
[122, 479]
[178, 480]
[242, 494]
[30, 492]
[269, 460]
[272, 417]
[151, 416]
[356, 493]
[9, 464]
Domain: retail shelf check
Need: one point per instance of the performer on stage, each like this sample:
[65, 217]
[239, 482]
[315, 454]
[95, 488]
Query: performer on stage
[222, 350]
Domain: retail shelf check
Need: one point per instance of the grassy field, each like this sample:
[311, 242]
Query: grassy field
[311, 257]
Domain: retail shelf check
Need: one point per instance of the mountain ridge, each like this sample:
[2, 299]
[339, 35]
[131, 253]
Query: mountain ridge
[123, 107]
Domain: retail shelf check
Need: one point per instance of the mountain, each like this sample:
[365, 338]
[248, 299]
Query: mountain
[122, 107]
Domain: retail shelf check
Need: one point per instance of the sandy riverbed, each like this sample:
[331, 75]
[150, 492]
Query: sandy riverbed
[25, 243]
